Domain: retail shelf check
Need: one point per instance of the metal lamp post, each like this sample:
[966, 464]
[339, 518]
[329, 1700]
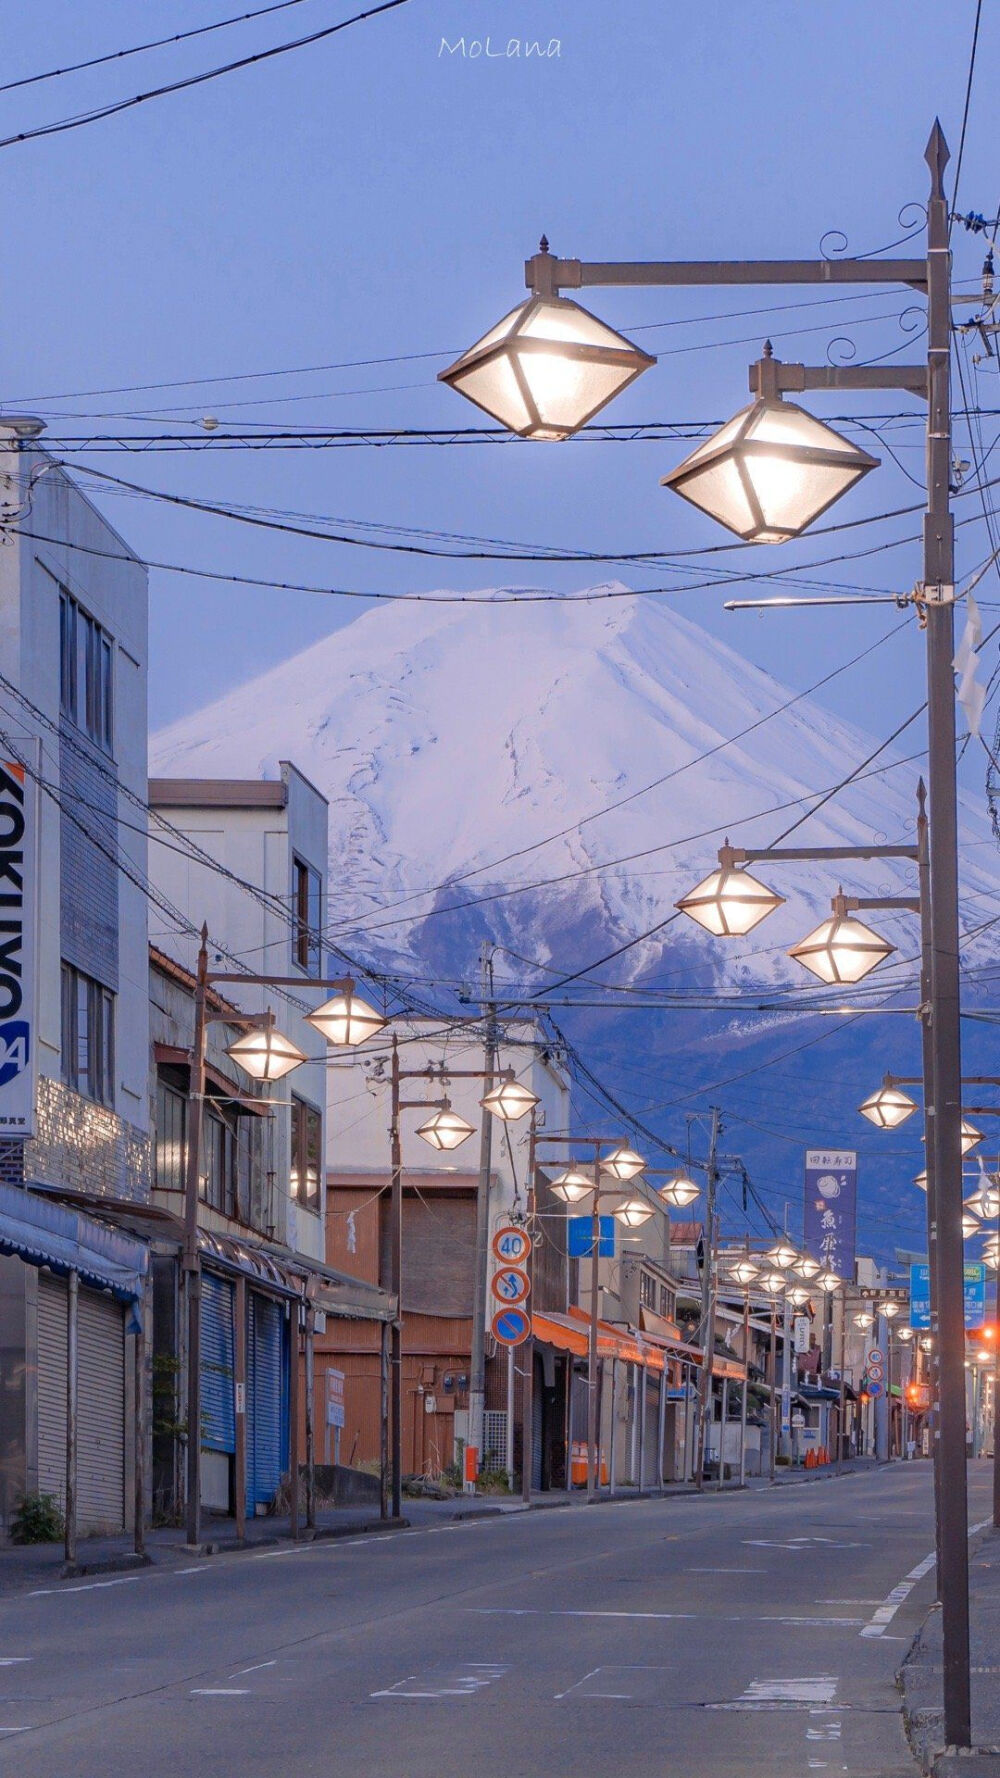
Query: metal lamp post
[794, 489]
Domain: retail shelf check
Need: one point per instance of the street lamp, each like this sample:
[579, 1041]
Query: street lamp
[572, 1186]
[622, 1163]
[841, 949]
[547, 368]
[772, 1282]
[864, 1320]
[986, 1201]
[772, 469]
[679, 1191]
[633, 1213]
[805, 1266]
[890, 1311]
[444, 1129]
[729, 902]
[265, 1053]
[346, 1019]
[889, 1107]
[798, 1295]
[509, 1100]
[904, 1333]
[782, 1255]
[828, 1281]
[744, 1271]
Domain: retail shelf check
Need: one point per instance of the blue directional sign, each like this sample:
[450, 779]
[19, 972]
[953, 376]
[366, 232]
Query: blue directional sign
[975, 1295]
[580, 1239]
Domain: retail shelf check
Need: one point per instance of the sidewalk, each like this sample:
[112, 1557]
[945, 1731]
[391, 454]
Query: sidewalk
[32, 1566]
[921, 1676]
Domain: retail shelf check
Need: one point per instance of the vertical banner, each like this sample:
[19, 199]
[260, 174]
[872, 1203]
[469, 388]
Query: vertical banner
[831, 1204]
[18, 884]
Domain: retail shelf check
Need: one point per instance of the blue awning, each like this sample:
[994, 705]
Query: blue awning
[44, 1233]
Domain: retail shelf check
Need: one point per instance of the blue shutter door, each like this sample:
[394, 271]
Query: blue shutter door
[218, 1416]
[264, 1401]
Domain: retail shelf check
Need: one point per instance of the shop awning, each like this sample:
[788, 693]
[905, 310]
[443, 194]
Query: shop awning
[571, 1333]
[43, 1233]
[281, 1272]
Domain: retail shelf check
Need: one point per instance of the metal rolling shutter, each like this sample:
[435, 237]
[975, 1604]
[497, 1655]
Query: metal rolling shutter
[264, 1401]
[100, 1453]
[218, 1408]
[52, 1387]
[101, 1415]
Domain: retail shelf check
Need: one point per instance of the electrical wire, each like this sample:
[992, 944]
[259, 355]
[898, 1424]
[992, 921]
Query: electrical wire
[192, 80]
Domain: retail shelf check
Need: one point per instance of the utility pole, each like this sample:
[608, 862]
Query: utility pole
[477, 1379]
[191, 1255]
[706, 1334]
[946, 1029]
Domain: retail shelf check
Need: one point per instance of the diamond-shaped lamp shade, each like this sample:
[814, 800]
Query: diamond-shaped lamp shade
[888, 1108]
[266, 1054]
[971, 1137]
[546, 368]
[572, 1186]
[744, 1271]
[921, 1179]
[509, 1100]
[622, 1163]
[904, 1333]
[971, 1225]
[729, 902]
[444, 1128]
[805, 1266]
[679, 1191]
[890, 1310]
[770, 471]
[986, 1201]
[798, 1295]
[346, 1019]
[772, 1282]
[828, 1281]
[781, 1254]
[842, 949]
[633, 1213]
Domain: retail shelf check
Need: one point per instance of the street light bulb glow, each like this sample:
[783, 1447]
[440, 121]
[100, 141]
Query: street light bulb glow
[927, 1344]
[445, 1129]
[781, 1254]
[798, 1295]
[265, 1053]
[864, 1320]
[729, 902]
[841, 949]
[971, 1137]
[772, 1282]
[904, 1333]
[680, 1191]
[509, 1100]
[971, 1225]
[986, 1201]
[890, 1310]
[888, 1108]
[806, 1266]
[921, 1179]
[346, 1020]
[622, 1163]
[770, 471]
[572, 1186]
[633, 1213]
[744, 1271]
[546, 368]
[828, 1281]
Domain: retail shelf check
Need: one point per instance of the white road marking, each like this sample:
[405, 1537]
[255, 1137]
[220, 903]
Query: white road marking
[457, 1682]
[664, 1616]
[731, 1571]
[220, 1691]
[632, 1681]
[203, 1569]
[297, 1549]
[14, 1660]
[23, 1728]
[258, 1669]
[881, 1618]
[800, 1543]
[784, 1694]
[90, 1586]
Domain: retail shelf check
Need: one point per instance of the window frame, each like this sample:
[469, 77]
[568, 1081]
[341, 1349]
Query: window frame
[87, 1035]
[86, 672]
[298, 1170]
[307, 914]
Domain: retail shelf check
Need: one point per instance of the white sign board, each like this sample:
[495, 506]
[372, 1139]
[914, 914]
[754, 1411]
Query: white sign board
[335, 1398]
[18, 885]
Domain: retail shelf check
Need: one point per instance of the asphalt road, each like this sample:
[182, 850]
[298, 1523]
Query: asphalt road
[748, 1634]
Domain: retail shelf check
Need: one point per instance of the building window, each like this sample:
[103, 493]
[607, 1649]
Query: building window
[647, 1291]
[86, 654]
[308, 914]
[171, 1137]
[218, 1185]
[307, 1154]
[87, 1036]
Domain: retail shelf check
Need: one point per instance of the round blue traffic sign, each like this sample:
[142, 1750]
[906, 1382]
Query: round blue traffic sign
[511, 1326]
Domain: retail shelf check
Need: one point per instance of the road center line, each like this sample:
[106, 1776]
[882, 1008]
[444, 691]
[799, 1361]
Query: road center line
[880, 1619]
[666, 1616]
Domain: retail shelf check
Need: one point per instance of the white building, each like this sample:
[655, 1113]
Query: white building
[262, 895]
[74, 1113]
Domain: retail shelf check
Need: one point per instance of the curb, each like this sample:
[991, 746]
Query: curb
[105, 1565]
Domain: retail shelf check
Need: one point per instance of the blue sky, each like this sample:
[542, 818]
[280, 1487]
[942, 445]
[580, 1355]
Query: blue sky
[372, 197]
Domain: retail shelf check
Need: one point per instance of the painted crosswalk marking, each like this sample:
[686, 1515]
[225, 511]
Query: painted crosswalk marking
[465, 1681]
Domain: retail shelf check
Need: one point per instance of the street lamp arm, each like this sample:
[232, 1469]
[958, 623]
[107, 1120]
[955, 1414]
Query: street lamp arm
[546, 275]
[786, 378]
[747, 855]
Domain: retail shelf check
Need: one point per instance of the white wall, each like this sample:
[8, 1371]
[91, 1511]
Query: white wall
[359, 1101]
[257, 845]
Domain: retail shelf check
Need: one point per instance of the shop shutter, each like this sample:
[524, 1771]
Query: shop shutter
[100, 1449]
[264, 1401]
[52, 1387]
[218, 1408]
[100, 1457]
[537, 1423]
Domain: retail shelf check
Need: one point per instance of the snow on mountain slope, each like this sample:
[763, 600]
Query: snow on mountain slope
[452, 738]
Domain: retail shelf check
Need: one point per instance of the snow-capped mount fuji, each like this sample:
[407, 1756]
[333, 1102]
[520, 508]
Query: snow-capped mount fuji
[468, 749]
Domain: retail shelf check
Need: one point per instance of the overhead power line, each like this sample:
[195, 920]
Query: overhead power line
[177, 86]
